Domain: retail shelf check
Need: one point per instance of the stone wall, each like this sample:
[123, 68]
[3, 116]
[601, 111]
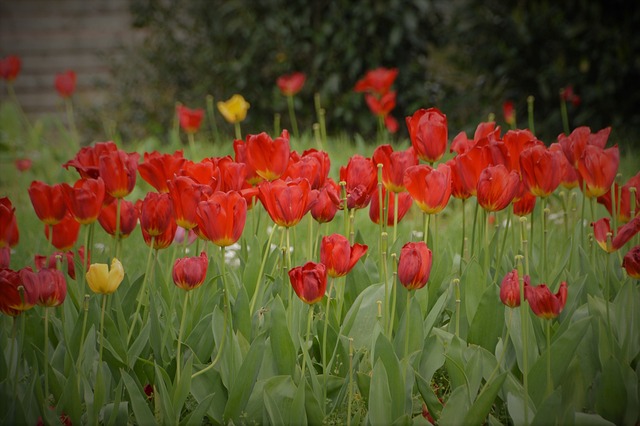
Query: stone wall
[52, 36]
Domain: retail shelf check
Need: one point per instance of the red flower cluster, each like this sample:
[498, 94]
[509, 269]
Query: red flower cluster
[381, 100]
[291, 84]
[543, 303]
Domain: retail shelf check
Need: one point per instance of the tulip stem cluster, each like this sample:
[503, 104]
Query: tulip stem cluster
[180, 334]
[142, 291]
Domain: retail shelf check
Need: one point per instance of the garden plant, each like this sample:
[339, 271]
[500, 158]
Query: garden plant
[299, 278]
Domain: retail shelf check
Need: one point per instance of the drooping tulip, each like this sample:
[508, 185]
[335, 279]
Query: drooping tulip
[50, 284]
[378, 80]
[338, 255]
[544, 303]
[631, 262]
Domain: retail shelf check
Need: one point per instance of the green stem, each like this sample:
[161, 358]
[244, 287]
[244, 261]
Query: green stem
[549, 380]
[212, 117]
[192, 144]
[307, 337]
[225, 282]
[324, 340]
[350, 387]
[395, 217]
[502, 247]
[46, 355]
[426, 217]
[104, 307]
[456, 283]
[523, 331]
[237, 129]
[407, 324]
[142, 291]
[72, 122]
[180, 333]
[256, 292]
[310, 236]
[463, 237]
[292, 117]
[473, 229]
[544, 238]
[117, 236]
[392, 316]
[85, 307]
[222, 343]
[385, 280]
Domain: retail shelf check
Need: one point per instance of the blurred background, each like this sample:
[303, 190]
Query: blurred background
[136, 58]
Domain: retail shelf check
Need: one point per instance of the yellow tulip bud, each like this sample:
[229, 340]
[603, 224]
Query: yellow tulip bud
[235, 109]
[103, 280]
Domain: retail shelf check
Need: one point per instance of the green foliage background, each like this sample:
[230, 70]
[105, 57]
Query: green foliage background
[464, 56]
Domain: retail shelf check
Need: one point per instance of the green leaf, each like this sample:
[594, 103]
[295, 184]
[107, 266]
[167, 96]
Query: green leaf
[482, 405]
[117, 411]
[434, 313]
[456, 408]
[181, 388]
[589, 419]
[195, 418]
[200, 339]
[415, 335]
[164, 389]
[384, 352]
[243, 384]
[611, 394]
[484, 329]
[138, 345]
[273, 410]
[280, 339]
[298, 414]
[210, 384]
[362, 315]
[455, 363]
[563, 350]
[380, 401]
[139, 405]
[428, 395]
[432, 357]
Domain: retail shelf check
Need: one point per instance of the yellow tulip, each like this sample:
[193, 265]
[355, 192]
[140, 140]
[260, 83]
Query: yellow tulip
[103, 280]
[235, 109]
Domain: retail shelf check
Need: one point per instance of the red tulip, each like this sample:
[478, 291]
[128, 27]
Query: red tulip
[569, 175]
[510, 289]
[302, 167]
[517, 141]
[50, 284]
[394, 165]
[190, 119]
[65, 233]
[51, 262]
[338, 256]
[623, 199]
[221, 218]
[404, 204]
[598, 168]
[328, 202]
[162, 240]
[458, 188]
[309, 281]
[84, 199]
[525, 204]
[541, 170]
[190, 272]
[185, 195]
[156, 168]
[461, 143]
[66, 83]
[232, 176]
[567, 94]
[23, 164]
[48, 201]
[205, 172]
[509, 112]
[5, 257]
[9, 234]
[430, 188]
[11, 301]
[156, 214]
[268, 157]
[544, 303]
[128, 218]
[118, 171]
[287, 202]
[414, 265]
[381, 105]
[378, 80]
[87, 160]
[240, 150]
[429, 133]
[631, 262]
[361, 177]
[10, 67]
[574, 144]
[291, 84]
[469, 166]
[497, 187]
